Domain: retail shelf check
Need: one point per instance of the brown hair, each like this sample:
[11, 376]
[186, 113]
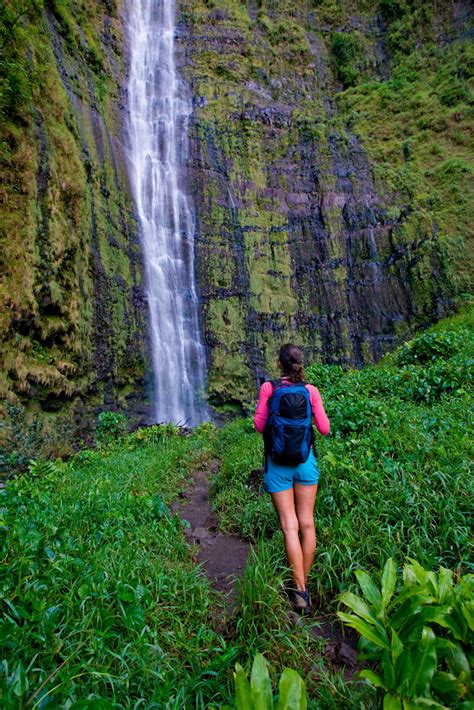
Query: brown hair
[291, 359]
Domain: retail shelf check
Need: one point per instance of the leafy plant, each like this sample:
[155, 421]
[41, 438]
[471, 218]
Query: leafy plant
[429, 383]
[354, 415]
[420, 635]
[155, 434]
[323, 376]
[257, 694]
[345, 49]
[110, 426]
[431, 346]
[40, 468]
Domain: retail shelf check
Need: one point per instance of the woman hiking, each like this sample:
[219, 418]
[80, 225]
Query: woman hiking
[285, 410]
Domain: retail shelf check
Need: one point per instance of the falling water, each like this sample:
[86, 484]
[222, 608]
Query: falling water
[159, 110]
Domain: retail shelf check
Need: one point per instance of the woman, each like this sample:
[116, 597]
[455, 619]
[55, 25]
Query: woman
[293, 488]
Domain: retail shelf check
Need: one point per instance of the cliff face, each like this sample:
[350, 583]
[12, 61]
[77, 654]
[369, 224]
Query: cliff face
[329, 163]
[72, 306]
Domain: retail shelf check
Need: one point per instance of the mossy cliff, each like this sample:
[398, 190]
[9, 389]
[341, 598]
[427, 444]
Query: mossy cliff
[331, 174]
[72, 306]
[330, 169]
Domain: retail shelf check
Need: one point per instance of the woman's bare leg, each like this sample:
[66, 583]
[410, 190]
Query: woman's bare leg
[305, 497]
[284, 503]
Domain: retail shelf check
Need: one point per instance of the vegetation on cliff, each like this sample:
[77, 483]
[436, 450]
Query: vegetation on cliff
[71, 309]
[329, 165]
[330, 159]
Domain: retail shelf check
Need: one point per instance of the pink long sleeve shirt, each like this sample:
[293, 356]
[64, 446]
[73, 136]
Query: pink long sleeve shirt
[261, 414]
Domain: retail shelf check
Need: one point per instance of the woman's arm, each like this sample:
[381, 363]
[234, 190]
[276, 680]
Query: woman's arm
[320, 417]
[261, 413]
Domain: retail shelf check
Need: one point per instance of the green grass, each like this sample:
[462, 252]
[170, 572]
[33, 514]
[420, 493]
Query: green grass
[102, 602]
[100, 591]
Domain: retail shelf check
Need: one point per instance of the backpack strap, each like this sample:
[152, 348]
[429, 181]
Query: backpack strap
[266, 443]
[279, 381]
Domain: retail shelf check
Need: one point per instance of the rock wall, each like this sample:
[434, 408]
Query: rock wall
[330, 168]
[320, 144]
[73, 315]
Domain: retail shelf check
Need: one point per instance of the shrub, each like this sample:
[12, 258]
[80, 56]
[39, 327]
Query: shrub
[154, 434]
[38, 468]
[354, 415]
[420, 638]
[428, 384]
[452, 93]
[110, 426]
[323, 376]
[345, 49]
[431, 346]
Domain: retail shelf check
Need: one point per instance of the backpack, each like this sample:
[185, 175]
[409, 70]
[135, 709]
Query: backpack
[288, 433]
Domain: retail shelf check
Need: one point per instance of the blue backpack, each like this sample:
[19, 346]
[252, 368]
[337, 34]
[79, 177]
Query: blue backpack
[288, 433]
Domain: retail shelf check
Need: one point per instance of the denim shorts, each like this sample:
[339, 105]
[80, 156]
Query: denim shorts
[281, 478]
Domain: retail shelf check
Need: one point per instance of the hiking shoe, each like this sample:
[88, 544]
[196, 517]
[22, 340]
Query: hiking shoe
[301, 602]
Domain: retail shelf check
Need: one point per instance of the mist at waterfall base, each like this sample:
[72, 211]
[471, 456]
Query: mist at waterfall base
[159, 110]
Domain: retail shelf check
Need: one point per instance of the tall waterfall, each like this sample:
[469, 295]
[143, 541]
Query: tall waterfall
[159, 109]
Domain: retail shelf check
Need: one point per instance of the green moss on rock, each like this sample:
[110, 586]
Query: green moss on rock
[70, 250]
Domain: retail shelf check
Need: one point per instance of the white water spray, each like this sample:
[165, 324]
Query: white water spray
[159, 110]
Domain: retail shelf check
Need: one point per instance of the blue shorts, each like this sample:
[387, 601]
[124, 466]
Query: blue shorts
[281, 478]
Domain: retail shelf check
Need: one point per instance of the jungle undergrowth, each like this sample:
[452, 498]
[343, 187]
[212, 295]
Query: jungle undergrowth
[103, 605]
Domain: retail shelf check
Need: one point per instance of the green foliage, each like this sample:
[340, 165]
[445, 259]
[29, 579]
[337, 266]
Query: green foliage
[353, 415]
[16, 74]
[419, 635]
[325, 375]
[99, 584]
[110, 426]
[261, 624]
[407, 22]
[434, 364]
[257, 694]
[156, 434]
[345, 50]
[102, 601]
[427, 347]
[428, 384]
[260, 608]
[23, 437]
[43, 469]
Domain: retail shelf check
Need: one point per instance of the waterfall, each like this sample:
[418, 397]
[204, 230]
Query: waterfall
[159, 110]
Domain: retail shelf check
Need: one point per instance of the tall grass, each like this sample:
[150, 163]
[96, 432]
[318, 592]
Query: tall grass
[102, 600]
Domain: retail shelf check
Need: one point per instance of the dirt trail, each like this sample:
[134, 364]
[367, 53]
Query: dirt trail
[224, 558]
